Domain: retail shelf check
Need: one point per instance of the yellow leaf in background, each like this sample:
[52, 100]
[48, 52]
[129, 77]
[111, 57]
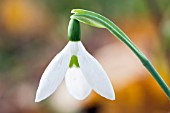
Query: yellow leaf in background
[20, 16]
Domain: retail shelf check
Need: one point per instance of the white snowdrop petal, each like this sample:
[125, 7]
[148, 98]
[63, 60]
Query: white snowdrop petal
[53, 74]
[76, 84]
[95, 74]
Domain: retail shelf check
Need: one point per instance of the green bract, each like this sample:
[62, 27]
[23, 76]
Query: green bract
[97, 20]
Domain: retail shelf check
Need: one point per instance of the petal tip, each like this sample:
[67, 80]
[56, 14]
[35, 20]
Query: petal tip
[37, 99]
[112, 96]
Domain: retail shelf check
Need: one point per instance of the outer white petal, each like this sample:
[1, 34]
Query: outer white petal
[54, 74]
[77, 84]
[95, 74]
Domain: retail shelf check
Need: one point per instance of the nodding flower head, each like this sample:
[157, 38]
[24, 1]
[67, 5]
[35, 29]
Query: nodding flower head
[81, 71]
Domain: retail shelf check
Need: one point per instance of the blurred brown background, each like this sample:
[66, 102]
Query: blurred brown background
[32, 32]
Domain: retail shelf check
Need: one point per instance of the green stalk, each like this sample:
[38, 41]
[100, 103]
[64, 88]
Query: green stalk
[97, 20]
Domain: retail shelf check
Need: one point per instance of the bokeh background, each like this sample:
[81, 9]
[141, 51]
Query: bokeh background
[32, 32]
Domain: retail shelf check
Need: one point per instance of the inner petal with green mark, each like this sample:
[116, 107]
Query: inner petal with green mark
[74, 62]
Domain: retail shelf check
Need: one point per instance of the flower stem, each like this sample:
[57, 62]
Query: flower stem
[145, 62]
[97, 20]
[158, 78]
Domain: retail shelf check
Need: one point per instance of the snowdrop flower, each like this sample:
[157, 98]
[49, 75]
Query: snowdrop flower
[81, 71]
